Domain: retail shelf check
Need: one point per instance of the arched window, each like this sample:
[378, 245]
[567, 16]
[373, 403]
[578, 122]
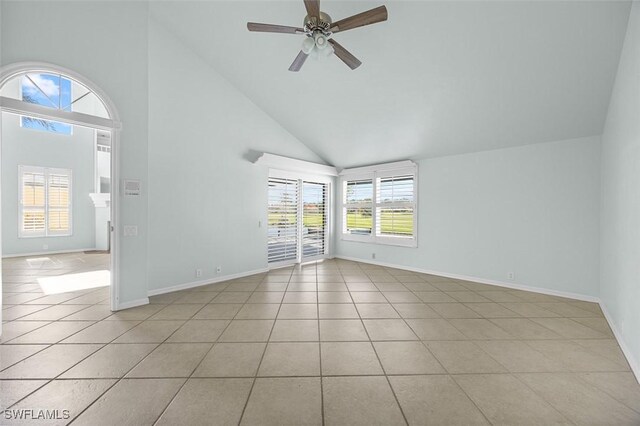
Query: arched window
[55, 91]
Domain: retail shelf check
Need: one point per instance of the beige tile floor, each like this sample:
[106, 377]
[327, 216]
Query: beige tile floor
[335, 342]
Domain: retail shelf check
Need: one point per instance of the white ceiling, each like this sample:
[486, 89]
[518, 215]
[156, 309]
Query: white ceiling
[438, 78]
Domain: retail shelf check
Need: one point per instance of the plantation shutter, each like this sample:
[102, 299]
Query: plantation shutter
[282, 242]
[45, 201]
[32, 202]
[314, 218]
[358, 207]
[395, 206]
[59, 203]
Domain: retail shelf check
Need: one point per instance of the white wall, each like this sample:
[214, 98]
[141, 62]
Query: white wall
[205, 196]
[531, 210]
[106, 41]
[620, 232]
[28, 147]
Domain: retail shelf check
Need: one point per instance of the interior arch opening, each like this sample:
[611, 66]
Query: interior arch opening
[58, 134]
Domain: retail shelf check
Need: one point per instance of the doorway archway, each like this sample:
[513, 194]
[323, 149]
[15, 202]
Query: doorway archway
[90, 107]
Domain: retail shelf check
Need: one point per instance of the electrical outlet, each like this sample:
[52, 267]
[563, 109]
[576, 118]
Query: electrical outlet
[373, 255]
[130, 230]
[511, 275]
[198, 273]
[219, 269]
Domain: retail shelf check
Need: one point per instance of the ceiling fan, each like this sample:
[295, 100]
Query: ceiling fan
[318, 29]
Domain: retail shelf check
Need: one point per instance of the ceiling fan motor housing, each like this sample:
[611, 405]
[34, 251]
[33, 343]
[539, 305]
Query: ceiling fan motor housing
[312, 24]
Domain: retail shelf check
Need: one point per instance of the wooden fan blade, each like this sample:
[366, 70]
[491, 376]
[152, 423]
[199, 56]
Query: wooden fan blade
[344, 55]
[298, 62]
[271, 28]
[369, 17]
[313, 8]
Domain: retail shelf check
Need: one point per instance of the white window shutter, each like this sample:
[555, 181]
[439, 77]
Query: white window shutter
[59, 203]
[44, 201]
[314, 219]
[282, 243]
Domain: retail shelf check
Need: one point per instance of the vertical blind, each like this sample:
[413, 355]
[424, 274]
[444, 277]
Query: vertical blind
[282, 242]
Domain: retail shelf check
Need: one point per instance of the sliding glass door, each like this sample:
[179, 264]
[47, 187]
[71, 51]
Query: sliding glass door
[297, 228]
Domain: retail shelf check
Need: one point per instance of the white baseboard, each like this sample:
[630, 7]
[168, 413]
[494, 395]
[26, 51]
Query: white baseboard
[132, 304]
[633, 363]
[41, 253]
[513, 286]
[200, 283]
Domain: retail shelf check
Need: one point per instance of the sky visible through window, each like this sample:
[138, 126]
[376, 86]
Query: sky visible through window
[51, 91]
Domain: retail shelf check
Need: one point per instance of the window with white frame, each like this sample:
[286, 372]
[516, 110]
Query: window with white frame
[44, 201]
[379, 204]
[358, 206]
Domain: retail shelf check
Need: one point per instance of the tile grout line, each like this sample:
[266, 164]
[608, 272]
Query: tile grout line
[8, 343]
[422, 342]
[103, 345]
[49, 322]
[319, 347]
[499, 363]
[264, 351]
[577, 375]
[48, 381]
[203, 357]
[395, 397]
[541, 397]
[448, 374]
[118, 380]
[451, 376]
[340, 375]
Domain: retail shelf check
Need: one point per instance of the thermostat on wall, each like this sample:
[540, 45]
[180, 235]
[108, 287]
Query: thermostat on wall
[131, 188]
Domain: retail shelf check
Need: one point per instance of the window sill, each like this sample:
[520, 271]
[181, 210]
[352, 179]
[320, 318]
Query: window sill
[384, 241]
[44, 236]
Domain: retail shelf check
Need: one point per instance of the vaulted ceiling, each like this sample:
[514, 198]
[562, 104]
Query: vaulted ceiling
[438, 78]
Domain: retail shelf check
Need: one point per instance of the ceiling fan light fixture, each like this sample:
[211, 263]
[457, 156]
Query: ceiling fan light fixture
[308, 44]
[321, 40]
[328, 51]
